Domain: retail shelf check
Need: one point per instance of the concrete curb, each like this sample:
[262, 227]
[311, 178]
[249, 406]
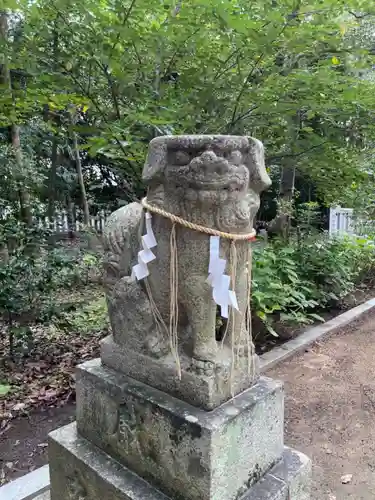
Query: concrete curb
[27, 487]
[33, 485]
[270, 359]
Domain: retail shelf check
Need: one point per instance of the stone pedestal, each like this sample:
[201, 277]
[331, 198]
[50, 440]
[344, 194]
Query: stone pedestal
[205, 390]
[132, 441]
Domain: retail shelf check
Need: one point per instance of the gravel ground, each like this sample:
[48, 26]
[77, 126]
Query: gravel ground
[330, 410]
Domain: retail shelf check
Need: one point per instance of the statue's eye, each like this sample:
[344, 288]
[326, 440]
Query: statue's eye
[235, 157]
[181, 158]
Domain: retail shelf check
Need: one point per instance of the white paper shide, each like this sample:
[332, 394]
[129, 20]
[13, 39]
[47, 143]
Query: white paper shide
[140, 270]
[220, 282]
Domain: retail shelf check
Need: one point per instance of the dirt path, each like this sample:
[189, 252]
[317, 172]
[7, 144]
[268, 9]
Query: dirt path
[23, 447]
[330, 411]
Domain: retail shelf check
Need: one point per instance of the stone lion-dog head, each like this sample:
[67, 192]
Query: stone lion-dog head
[221, 174]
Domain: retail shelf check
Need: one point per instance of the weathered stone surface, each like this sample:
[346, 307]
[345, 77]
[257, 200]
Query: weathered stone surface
[268, 487]
[205, 390]
[280, 481]
[214, 181]
[295, 470]
[184, 451]
[289, 479]
[80, 471]
[44, 496]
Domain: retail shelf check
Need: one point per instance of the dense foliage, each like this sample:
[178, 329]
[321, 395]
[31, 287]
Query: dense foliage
[294, 283]
[105, 77]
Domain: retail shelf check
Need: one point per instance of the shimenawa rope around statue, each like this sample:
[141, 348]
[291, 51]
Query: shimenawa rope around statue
[173, 319]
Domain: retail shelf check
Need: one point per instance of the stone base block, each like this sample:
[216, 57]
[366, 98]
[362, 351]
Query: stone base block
[205, 390]
[289, 479]
[80, 471]
[43, 496]
[185, 452]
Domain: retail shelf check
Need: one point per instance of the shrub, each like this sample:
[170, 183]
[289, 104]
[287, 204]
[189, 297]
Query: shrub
[31, 274]
[86, 318]
[26, 277]
[278, 289]
[334, 265]
[294, 281]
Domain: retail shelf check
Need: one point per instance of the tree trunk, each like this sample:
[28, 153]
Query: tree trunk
[52, 180]
[77, 157]
[288, 175]
[71, 218]
[24, 197]
[49, 116]
[281, 224]
[4, 254]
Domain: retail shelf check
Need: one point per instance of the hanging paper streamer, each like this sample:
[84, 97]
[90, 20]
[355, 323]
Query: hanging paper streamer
[140, 270]
[220, 281]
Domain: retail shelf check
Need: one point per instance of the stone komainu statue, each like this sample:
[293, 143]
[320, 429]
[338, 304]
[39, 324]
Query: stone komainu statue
[213, 181]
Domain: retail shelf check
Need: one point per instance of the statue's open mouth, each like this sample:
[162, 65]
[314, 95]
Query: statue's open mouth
[233, 178]
[225, 184]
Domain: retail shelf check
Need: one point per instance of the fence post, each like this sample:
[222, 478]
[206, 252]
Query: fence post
[332, 221]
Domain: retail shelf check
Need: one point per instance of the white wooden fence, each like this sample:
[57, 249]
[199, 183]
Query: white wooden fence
[343, 221]
[61, 224]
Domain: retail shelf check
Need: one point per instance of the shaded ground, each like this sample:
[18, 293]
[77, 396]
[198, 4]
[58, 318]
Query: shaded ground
[23, 447]
[330, 410]
[41, 372]
[40, 383]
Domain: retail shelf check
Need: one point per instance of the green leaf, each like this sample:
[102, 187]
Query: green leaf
[4, 389]
[317, 317]
[272, 331]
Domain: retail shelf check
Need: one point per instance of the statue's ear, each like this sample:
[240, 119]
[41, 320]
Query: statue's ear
[156, 161]
[259, 179]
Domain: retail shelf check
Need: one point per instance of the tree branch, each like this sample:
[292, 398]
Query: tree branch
[127, 15]
[295, 155]
[251, 72]
[104, 68]
[241, 117]
[174, 55]
[359, 16]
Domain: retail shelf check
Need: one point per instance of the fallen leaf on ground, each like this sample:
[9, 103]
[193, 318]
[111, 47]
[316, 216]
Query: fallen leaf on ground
[46, 378]
[346, 478]
[19, 407]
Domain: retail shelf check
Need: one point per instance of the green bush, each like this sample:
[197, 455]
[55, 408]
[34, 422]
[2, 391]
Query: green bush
[86, 318]
[294, 281]
[33, 276]
[278, 289]
[334, 265]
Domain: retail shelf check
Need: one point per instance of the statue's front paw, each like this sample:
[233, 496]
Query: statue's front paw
[203, 367]
[157, 346]
[244, 350]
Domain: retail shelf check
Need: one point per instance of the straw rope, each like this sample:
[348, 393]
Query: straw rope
[197, 227]
[173, 318]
